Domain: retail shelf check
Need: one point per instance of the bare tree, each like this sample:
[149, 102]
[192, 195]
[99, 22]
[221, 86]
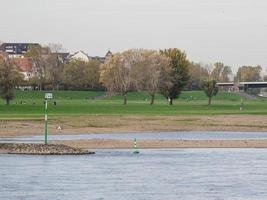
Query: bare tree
[220, 72]
[54, 70]
[197, 72]
[116, 73]
[151, 70]
[38, 60]
[210, 88]
[249, 73]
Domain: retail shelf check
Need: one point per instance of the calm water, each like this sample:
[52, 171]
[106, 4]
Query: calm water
[194, 135]
[190, 174]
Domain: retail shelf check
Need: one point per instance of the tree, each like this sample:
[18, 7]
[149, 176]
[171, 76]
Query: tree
[35, 54]
[116, 73]
[80, 74]
[225, 75]
[179, 76]
[248, 73]
[54, 70]
[151, 71]
[196, 72]
[10, 77]
[210, 88]
[220, 72]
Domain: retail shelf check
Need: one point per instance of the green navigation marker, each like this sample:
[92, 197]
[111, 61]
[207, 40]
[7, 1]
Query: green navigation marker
[47, 96]
[136, 151]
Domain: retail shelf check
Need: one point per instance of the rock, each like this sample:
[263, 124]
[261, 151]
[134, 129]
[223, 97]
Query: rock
[42, 149]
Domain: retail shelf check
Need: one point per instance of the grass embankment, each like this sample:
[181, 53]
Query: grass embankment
[29, 104]
[84, 112]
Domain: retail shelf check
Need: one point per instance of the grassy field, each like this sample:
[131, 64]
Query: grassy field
[29, 104]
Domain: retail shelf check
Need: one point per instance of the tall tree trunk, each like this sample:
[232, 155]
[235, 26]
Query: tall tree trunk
[124, 99]
[209, 100]
[40, 86]
[152, 99]
[170, 101]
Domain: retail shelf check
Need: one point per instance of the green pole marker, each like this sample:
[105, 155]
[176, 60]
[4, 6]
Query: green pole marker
[45, 121]
[47, 96]
[136, 151]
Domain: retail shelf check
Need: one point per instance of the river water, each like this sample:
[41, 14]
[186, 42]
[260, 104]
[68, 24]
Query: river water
[182, 135]
[190, 174]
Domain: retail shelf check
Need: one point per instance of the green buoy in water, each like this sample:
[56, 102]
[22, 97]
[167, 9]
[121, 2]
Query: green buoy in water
[136, 151]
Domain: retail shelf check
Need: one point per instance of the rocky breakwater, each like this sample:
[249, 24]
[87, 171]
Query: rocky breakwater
[42, 149]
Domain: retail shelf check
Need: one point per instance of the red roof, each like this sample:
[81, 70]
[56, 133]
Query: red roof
[24, 64]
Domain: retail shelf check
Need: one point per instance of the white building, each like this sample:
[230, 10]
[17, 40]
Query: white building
[80, 55]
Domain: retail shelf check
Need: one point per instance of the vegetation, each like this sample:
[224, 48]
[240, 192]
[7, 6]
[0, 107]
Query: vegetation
[220, 72]
[179, 76]
[210, 88]
[249, 73]
[79, 74]
[9, 78]
[167, 72]
[29, 104]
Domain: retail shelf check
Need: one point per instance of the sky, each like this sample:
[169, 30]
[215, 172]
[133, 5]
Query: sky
[230, 31]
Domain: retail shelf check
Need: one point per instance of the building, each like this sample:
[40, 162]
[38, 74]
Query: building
[25, 66]
[81, 56]
[16, 50]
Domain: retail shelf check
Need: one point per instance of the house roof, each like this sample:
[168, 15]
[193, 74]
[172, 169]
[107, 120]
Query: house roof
[16, 48]
[24, 64]
[109, 53]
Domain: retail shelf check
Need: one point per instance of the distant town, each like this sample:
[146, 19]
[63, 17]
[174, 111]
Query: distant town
[25, 64]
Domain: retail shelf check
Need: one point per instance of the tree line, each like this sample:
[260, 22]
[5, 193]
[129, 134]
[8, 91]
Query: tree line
[167, 72]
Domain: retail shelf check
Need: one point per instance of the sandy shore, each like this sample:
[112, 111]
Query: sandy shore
[144, 144]
[133, 123]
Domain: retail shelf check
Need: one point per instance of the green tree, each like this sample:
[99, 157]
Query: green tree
[80, 74]
[10, 77]
[179, 76]
[210, 88]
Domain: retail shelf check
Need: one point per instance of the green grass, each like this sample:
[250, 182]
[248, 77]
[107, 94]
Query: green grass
[29, 104]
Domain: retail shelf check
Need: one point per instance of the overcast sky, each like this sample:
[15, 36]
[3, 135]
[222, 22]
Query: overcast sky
[230, 31]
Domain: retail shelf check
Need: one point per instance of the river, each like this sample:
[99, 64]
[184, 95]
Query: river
[181, 135]
[190, 174]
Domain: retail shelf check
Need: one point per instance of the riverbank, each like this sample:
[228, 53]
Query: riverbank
[41, 149]
[160, 144]
[133, 123]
